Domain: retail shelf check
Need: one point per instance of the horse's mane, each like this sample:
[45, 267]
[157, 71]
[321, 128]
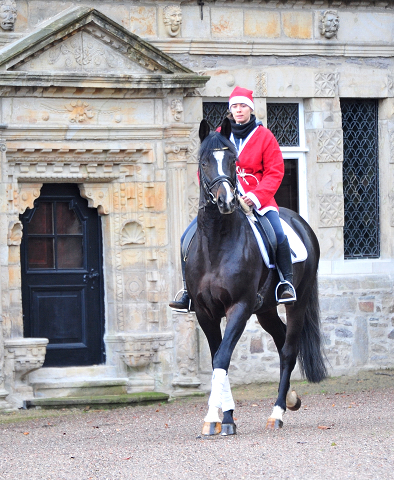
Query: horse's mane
[215, 140]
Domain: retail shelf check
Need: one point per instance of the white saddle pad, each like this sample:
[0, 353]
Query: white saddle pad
[296, 245]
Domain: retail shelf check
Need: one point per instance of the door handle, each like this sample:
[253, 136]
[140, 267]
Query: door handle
[90, 276]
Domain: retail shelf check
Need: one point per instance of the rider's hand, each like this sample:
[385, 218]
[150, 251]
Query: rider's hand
[248, 201]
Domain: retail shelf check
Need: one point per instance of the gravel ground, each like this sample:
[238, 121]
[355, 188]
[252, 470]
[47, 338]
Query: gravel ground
[344, 429]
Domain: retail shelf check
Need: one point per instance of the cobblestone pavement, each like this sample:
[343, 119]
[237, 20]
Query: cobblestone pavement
[344, 430]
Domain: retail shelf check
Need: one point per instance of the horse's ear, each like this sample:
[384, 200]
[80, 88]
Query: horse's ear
[204, 130]
[226, 128]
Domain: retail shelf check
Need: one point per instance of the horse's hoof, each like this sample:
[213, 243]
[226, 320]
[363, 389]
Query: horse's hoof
[274, 424]
[296, 406]
[211, 428]
[229, 429]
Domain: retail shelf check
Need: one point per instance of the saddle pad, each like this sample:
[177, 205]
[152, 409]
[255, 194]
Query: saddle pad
[298, 254]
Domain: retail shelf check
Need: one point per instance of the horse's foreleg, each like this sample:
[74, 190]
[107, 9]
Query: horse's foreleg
[212, 423]
[228, 405]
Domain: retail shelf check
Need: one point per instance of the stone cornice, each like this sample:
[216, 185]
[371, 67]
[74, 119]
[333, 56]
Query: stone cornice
[12, 80]
[107, 134]
[238, 47]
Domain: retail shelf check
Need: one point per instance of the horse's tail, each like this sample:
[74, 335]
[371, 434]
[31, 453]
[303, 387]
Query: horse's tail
[311, 357]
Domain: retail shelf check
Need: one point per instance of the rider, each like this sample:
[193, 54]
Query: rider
[260, 169]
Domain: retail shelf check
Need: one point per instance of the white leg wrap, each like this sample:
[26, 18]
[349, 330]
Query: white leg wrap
[218, 379]
[291, 398]
[212, 415]
[227, 398]
[277, 413]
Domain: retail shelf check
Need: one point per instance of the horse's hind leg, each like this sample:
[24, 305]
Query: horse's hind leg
[273, 325]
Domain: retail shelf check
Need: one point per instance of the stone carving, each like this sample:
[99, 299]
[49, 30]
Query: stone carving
[97, 197]
[132, 233]
[391, 204]
[176, 109]
[8, 14]
[22, 196]
[261, 85]
[329, 146]
[15, 232]
[331, 211]
[79, 111]
[326, 84]
[391, 146]
[329, 23]
[23, 356]
[390, 85]
[172, 19]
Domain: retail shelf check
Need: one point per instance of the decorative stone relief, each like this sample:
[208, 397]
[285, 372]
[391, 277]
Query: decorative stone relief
[186, 355]
[91, 50]
[23, 356]
[331, 211]
[391, 203]
[329, 23]
[390, 85]
[330, 146]
[97, 197]
[15, 231]
[326, 84]
[22, 196]
[391, 133]
[8, 14]
[261, 85]
[132, 234]
[172, 19]
[176, 109]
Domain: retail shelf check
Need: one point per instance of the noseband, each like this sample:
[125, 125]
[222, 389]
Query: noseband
[208, 186]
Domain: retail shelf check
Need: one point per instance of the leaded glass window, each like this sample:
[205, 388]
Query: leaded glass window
[283, 121]
[360, 178]
[214, 113]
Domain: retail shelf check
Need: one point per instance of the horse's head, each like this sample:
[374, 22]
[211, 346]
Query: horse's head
[217, 167]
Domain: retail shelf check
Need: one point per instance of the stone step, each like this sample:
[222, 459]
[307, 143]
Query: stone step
[72, 373]
[80, 387]
[100, 401]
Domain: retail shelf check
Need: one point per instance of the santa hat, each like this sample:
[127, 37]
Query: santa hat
[241, 95]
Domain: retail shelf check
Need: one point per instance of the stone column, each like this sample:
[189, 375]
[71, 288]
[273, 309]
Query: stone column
[177, 204]
[4, 405]
[324, 162]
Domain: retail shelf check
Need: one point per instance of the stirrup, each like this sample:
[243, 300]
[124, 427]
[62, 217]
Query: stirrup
[182, 310]
[285, 301]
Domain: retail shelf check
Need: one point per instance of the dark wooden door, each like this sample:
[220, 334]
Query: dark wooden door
[287, 194]
[62, 288]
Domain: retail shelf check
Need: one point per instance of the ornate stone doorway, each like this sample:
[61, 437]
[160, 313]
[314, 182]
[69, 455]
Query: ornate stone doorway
[62, 281]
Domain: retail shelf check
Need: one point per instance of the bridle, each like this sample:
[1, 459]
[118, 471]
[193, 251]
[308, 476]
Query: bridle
[209, 185]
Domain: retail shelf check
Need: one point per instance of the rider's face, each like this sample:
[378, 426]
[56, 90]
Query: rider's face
[241, 112]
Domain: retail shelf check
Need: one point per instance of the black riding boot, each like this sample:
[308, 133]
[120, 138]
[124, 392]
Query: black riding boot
[183, 305]
[285, 292]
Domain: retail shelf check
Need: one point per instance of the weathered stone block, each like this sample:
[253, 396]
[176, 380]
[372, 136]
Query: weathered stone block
[143, 21]
[261, 24]
[366, 306]
[297, 24]
[225, 23]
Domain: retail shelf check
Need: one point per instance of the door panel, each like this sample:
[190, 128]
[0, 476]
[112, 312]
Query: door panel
[62, 287]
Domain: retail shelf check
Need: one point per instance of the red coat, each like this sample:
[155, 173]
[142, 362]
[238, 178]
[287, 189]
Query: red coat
[261, 157]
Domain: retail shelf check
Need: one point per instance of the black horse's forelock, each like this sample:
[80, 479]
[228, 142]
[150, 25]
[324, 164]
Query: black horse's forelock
[215, 141]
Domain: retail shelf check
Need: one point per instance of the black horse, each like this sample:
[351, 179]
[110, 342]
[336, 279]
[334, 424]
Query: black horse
[225, 275]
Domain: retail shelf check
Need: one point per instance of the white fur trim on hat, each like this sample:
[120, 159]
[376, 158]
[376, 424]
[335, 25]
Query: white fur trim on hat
[245, 100]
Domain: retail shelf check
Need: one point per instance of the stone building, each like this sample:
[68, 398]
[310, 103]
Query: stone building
[100, 110]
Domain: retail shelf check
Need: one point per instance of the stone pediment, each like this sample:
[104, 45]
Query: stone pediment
[83, 43]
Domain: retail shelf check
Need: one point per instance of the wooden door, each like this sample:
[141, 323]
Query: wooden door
[62, 281]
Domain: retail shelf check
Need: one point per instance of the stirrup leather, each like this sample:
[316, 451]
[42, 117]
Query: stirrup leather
[285, 300]
[182, 310]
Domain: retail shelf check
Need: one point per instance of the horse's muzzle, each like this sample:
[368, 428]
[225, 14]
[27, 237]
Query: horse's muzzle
[225, 200]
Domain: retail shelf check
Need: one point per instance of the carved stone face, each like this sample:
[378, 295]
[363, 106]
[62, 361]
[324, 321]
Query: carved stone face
[177, 109]
[8, 15]
[172, 19]
[329, 24]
